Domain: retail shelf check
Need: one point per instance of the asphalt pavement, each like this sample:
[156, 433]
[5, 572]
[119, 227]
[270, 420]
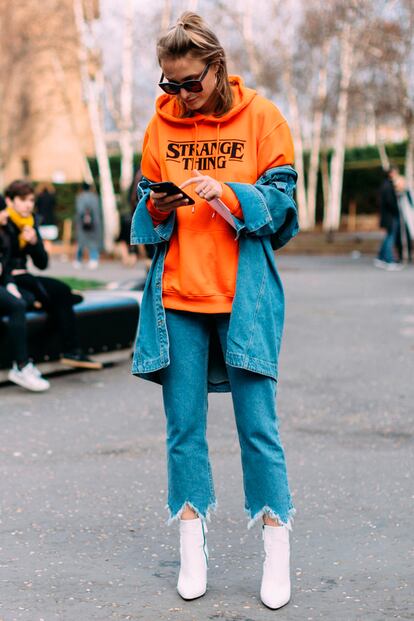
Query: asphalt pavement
[83, 533]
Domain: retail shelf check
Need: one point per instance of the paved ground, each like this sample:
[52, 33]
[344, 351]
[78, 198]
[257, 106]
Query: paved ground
[83, 474]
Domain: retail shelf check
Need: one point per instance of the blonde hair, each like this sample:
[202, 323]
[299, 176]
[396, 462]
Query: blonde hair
[191, 35]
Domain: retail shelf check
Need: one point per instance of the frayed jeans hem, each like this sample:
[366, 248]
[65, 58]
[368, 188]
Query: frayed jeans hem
[174, 517]
[266, 510]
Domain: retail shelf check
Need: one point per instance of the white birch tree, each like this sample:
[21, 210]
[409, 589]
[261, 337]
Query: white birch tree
[93, 86]
[407, 82]
[332, 215]
[126, 122]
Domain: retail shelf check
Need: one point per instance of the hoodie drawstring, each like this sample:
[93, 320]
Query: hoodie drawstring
[195, 153]
[213, 215]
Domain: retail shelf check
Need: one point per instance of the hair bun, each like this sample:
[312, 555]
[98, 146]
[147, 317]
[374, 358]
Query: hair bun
[190, 20]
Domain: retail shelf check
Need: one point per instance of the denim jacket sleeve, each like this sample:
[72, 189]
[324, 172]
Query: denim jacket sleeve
[143, 230]
[268, 206]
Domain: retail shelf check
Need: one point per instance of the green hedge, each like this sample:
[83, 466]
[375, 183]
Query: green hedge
[66, 192]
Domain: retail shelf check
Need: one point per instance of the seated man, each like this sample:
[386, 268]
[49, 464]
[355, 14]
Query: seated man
[12, 305]
[52, 295]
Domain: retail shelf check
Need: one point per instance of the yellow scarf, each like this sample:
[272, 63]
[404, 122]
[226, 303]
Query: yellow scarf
[20, 222]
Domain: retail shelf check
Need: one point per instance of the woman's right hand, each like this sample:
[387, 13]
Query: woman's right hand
[164, 203]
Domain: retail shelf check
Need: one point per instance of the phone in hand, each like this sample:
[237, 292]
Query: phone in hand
[170, 189]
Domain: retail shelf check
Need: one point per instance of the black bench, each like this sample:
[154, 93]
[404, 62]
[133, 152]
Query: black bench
[107, 323]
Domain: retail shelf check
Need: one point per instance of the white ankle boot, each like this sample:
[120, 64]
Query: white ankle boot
[192, 579]
[275, 589]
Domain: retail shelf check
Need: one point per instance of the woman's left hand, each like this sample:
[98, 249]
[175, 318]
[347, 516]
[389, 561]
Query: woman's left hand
[207, 187]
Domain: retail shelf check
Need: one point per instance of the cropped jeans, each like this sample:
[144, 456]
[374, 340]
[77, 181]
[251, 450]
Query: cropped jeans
[184, 383]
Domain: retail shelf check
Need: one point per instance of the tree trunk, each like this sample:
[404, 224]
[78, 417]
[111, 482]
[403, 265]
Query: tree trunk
[316, 137]
[333, 214]
[325, 181]
[125, 140]
[92, 94]
[297, 139]
[109, 209]
[385, 162]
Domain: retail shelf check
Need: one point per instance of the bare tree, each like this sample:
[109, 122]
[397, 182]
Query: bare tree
[333, 213]
[126, 125]
[92, 80]
[407, 84]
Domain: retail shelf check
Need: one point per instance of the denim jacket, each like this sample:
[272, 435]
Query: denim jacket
[257, 316]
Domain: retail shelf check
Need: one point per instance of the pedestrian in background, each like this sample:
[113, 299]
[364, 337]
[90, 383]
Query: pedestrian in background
[88, 225]
[197, 331]
[406, 224]
[45, 206]
[390, 221]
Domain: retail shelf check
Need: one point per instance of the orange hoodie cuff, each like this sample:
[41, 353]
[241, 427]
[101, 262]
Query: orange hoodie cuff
[231, 201]
[157, 216]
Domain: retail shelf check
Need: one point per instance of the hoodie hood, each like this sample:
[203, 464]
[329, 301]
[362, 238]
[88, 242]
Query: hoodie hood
[168, 109]
[200, 267]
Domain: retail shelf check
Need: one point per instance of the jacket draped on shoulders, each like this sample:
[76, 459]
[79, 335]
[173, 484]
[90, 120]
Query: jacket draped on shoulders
[257, 317]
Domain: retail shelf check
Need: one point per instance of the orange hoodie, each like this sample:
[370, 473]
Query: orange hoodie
[201, 262]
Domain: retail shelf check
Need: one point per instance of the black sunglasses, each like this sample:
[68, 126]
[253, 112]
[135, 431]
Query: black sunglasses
[192, 86]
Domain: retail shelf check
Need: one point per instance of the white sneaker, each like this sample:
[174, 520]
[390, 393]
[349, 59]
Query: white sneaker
[77, 265]
[192, 579]
[394, 267]
[29, 377]
[381, 264]
[34, 369]
[92, 265]
[275, 589]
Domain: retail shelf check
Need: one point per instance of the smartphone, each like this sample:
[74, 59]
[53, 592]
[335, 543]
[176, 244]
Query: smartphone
[170, 189]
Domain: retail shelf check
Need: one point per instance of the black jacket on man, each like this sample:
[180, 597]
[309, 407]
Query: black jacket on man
[18, 256]
[388, 205]
[5, 268]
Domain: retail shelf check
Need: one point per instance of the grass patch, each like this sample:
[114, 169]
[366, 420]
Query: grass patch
[82, 284]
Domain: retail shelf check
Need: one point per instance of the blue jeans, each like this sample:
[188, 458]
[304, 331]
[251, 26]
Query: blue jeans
[92, 250]
[184, 383]
[386, 251]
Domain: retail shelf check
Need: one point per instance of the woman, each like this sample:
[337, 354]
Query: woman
[12, 305]
[198, 332]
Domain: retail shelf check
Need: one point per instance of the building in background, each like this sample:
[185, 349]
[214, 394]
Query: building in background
[45, 131]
